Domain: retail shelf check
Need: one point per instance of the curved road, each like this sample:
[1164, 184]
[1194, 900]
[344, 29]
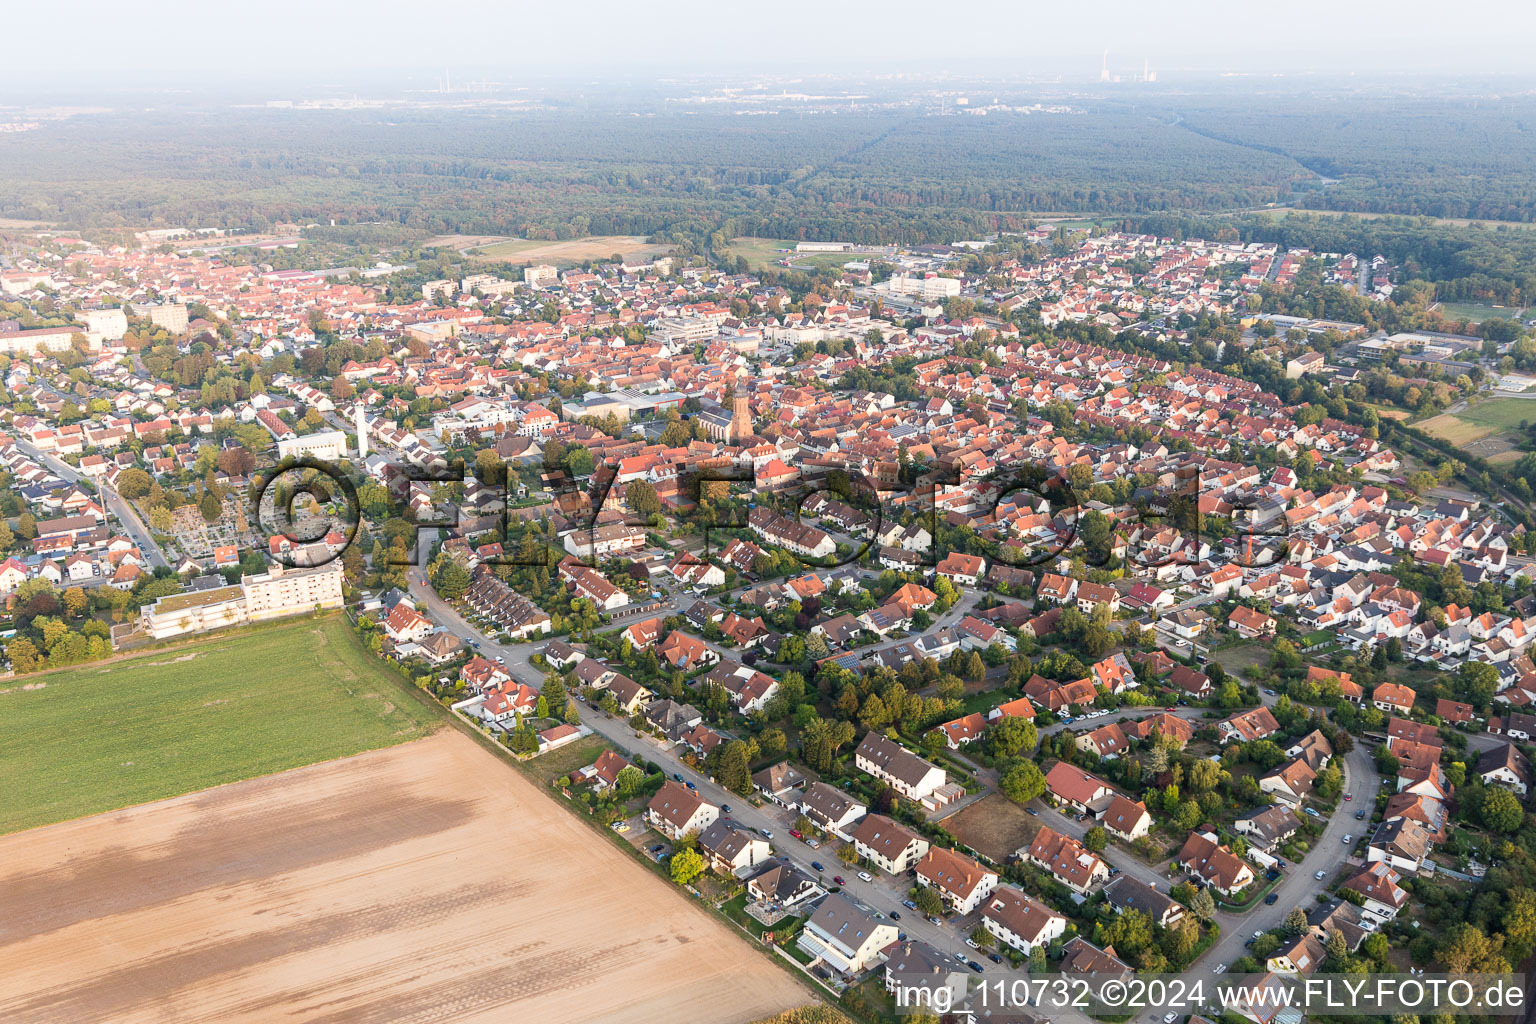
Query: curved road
[1297, 888]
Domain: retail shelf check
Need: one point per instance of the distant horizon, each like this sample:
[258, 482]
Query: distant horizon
[454, 85]
[110, 48]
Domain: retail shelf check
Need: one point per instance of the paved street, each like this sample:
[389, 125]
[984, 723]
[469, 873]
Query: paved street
[884, 894]
[116, 504]
[1297, 888]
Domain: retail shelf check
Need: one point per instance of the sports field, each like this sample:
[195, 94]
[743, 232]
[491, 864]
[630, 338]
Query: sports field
[1480, 420]
[1500, 413]
[762, 252]
[430, 883]
[765, 252]
[1477, 312]
[82, 740]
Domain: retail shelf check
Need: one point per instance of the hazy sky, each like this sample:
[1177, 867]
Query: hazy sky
[198, 44]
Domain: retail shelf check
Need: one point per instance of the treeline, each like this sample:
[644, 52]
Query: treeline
[864, 177]
[1422, 156]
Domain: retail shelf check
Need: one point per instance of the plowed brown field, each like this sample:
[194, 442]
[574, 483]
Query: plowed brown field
[425, 882]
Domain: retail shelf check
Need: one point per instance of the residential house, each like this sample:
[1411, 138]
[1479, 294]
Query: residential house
[831, 810]
[1126, 893]
[1070, 785]
[963, 730]
[731, 848]
[1301, 954]
[1250, 624]
[1268, 827]
[1021, 921]
[925, 976]
[1206, 858]
[676, 811]
[961, 568]
[908, 774]
[961, 881]
[1107, 741]
[1291, 783]
[1382, 896]
[685, 653]
[1247, 726]
[748, 688]
[1394, 697]
[780, 783]
[1126, 819]
[1082, 959]
[890, 846]
[1506, 766]
[1312, 748]
[1066, 859]
[1401, 843]
[843, 937]
[783, 884]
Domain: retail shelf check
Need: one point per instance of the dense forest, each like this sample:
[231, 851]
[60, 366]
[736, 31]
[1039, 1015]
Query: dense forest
[867, 177]
[859, 176]
[1439, 158]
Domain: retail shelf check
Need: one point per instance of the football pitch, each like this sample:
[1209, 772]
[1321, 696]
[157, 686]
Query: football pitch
[83, 740]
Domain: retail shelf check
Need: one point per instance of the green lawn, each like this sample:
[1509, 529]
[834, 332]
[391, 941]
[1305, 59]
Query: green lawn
[101, 737]
[1477, 312]
[565, 760]
[762, 252]
[1499, 413]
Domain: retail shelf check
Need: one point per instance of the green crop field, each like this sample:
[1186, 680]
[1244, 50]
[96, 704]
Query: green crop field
[84, 740]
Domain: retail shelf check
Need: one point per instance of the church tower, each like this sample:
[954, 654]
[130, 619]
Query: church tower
[741, 419]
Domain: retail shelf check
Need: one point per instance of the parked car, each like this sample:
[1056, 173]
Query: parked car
[765, 833]
[1348, 839]
[678, 776]
[814, 844]
[1320, 875]
[895, 915]
[796, 833]
[909, 904]
[866, 876]
[621, 826]
[1170, 1018]
[839, 879]
[1360, 814]
[1031, 810]
[973, 965]
[1349, 796]
[817, 865]
[725, 808]
[972, 943]
[994, 958]
[1269, 900]
[691, 786]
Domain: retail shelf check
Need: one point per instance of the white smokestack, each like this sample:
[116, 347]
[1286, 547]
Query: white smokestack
[362, 432]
